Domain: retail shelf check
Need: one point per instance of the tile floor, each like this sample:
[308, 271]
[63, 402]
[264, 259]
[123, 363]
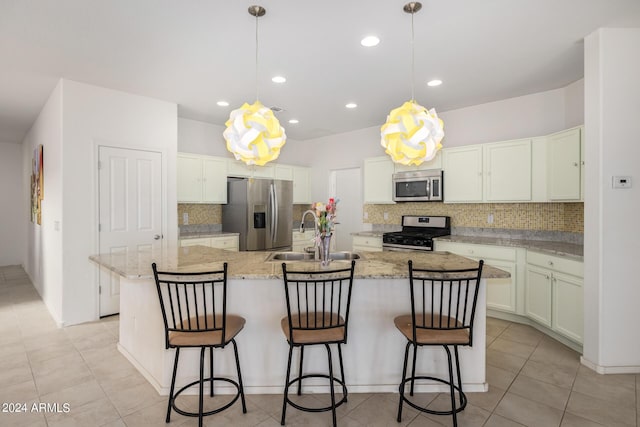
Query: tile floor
[534, 381]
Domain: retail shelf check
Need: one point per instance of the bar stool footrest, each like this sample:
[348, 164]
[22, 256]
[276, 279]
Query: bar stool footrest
[463, 397]
[214, 411]
[323, 409]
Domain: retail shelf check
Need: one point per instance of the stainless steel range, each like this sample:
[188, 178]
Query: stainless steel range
[417, 233]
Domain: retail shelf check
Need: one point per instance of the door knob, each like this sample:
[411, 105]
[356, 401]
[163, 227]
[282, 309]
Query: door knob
[156, 237]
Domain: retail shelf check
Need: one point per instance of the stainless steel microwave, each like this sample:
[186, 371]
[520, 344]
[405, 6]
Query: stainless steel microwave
[418, 186]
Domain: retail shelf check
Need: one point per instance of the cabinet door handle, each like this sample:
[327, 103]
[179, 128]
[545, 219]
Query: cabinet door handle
[548, 277]
[575, 164]
[551, 263]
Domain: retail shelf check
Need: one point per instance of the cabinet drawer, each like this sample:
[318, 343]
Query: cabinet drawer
[478, 251]
[373, 243]
[563, 265]
[204, 241]
[228, 242]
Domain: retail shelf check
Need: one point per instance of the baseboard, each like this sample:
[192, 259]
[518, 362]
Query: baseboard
[610, 369]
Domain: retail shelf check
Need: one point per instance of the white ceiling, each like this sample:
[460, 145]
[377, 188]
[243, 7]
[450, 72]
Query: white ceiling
[196, 52]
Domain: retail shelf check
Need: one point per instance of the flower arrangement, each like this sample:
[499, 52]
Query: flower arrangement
[326, 216]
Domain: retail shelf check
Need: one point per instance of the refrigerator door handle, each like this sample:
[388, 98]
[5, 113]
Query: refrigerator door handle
[272, 211]
[275, 213]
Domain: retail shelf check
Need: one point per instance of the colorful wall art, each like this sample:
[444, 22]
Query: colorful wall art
[37, 185]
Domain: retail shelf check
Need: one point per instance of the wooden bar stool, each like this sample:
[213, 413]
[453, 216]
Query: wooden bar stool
[443, 306]
[194, 310]
[317, 314]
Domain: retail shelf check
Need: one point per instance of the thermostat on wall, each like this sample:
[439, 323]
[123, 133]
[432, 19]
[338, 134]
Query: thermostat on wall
[621, 182]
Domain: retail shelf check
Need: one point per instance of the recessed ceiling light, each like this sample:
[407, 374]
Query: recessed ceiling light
[434, 82]
[278, 79]
[351, 105]
[223, 103]
[370, 41]
[293, 121]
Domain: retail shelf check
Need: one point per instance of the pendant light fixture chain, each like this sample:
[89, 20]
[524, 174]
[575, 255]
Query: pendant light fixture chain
[412, 8]
[257, 11]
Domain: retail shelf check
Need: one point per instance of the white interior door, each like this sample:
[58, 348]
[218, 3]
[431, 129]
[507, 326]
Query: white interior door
[346, 185]
[130, 212]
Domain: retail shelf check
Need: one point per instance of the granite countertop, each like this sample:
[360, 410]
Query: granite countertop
[195, 235]
[252, 265]
[571, 250]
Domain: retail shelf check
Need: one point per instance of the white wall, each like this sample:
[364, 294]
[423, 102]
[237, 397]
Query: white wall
[43, 256]
[12, 229]
[94, 116]
[525, 116]
[76, 120]
[206, 138]
[574, 104]
[612, 248]
[201, 138]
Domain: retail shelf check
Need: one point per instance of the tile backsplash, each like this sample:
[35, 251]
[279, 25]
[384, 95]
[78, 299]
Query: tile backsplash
[200, 214]
[567, 217]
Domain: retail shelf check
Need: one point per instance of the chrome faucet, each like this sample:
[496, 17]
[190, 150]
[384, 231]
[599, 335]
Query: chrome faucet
[316, 253]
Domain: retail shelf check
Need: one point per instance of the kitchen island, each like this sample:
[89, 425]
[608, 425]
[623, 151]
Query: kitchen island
[372, 357]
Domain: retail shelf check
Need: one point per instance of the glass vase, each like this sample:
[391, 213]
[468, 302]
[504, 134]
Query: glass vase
[325, 244]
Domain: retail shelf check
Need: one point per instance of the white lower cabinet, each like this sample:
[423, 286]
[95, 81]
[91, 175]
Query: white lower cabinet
[502, 294]
[538, 295]
[199, 241]
[554, 295]
[367, 243]
[227, 242]
[547, 289]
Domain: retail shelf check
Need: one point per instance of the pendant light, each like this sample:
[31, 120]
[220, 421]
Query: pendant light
[412, 134]
[253, 133]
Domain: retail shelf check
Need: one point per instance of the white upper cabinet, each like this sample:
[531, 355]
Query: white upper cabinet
[201, 179]
[284, 172]
[494, 172]
[214, 180]
[539, 169]
[301, 185]
[189, 178]
[378, 173]
[435, 163]
[462, 174]
[564, 161]
[507, 168]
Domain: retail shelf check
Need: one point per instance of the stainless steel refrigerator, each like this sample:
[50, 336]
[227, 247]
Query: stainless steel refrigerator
[261, 211]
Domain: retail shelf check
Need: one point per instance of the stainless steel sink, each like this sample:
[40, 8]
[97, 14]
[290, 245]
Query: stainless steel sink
[303, 256]
[343, 256]
[290, 256]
